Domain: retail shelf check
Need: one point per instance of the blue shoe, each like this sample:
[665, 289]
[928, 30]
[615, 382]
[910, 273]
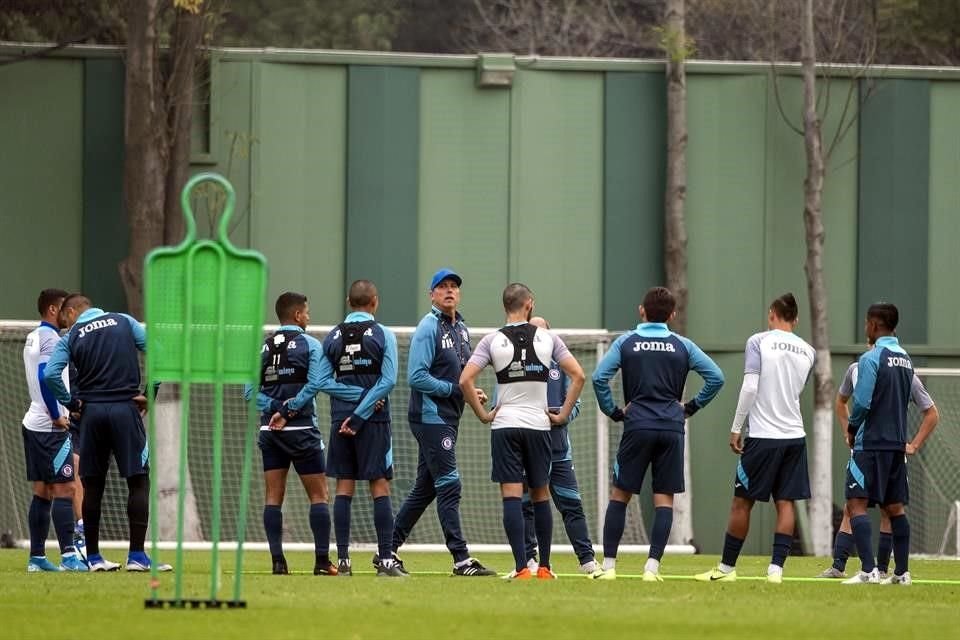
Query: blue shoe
[36, 564]
[140, 561]
[96, 562]
[73, 562]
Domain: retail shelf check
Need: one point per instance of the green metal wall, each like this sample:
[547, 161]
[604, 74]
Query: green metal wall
[41, 164]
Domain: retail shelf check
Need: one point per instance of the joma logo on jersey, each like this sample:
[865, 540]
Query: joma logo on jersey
[786, 346]
[446, 342]
[654, 346]
[96, 325]
[894, 361]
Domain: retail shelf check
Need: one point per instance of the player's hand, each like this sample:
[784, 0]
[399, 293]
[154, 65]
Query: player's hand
[557, 419]
[736, 442]
[481, 396]
[488, 416]
[345, 429]
[277, 422]
[379, 404]
[141, 402]
[910, 449]
[850, 439]
[63, 422]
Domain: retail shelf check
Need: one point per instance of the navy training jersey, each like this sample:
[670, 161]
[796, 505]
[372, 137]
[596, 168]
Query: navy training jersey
[103, 347]
[880, 397]
[362, 353]
[284, 370]
[654, 363]
[439, 349]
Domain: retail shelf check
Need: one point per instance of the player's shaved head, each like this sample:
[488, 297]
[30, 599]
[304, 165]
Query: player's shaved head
[288, 304]
[515, 296]
[540, 321]
[50, 298]
[76, 301]
[362, 294]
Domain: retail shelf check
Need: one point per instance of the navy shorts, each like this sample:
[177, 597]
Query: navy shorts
[878, 476]
[437, 456]
[520, 455]
[303, 448]
[641, 448]
[774, 467]
[368, 455]
[112, 428]
[48, 456]
[74, 430]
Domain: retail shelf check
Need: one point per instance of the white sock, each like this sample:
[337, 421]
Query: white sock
[725, 568]
[653, 566]
[774, 569]
[589, 567]
[609, 563]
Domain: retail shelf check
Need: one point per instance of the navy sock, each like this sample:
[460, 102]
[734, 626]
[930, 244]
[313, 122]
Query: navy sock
[781, 548]
[93, 488]
[662, 522]
[862, 534]
[513, 526]
[138, 510]
[383, 521]
[38, 519]
[731, 549]
[341, 524]
[273, 526]
[883, 551]
[613, 524]
[842, 547]
[543, 523]
[529, 532]
[320, 526]
[901, 543]
[62, 514]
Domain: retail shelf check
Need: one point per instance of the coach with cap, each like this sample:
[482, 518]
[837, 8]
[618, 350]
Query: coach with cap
[439, 349]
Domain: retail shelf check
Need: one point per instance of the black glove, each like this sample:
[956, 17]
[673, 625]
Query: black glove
[690, 408]
[617, 415]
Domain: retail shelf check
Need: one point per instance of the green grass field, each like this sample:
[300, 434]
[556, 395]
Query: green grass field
[431, 605]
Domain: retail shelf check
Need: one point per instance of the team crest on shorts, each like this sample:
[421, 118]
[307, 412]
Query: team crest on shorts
[447, 443]
[66, 470]
[554, 374]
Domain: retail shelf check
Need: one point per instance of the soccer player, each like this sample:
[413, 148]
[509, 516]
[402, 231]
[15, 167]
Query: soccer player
[844, 544]
[79, 542]
[774, 459]
[520, 441]
[361, 353]
[291, 362]
[877, 433]
[563, 479]
[439, 349]
[654, 363]
[103, 347]
[47, 447]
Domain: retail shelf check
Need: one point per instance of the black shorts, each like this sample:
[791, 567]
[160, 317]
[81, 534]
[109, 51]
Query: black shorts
[112, 428]
[368, 455]
[520, 455]
[48, 456]
[878, 476]
[641, 448]
[774, 467]
[74, 430]
[303, 448]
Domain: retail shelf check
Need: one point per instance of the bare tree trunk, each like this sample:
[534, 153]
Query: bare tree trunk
[145, 152]
[185, 56]
[675, 231]
[821, 503]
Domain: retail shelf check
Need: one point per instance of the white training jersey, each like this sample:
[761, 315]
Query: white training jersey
[36, 352]
[522, 404]
[783, 361]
